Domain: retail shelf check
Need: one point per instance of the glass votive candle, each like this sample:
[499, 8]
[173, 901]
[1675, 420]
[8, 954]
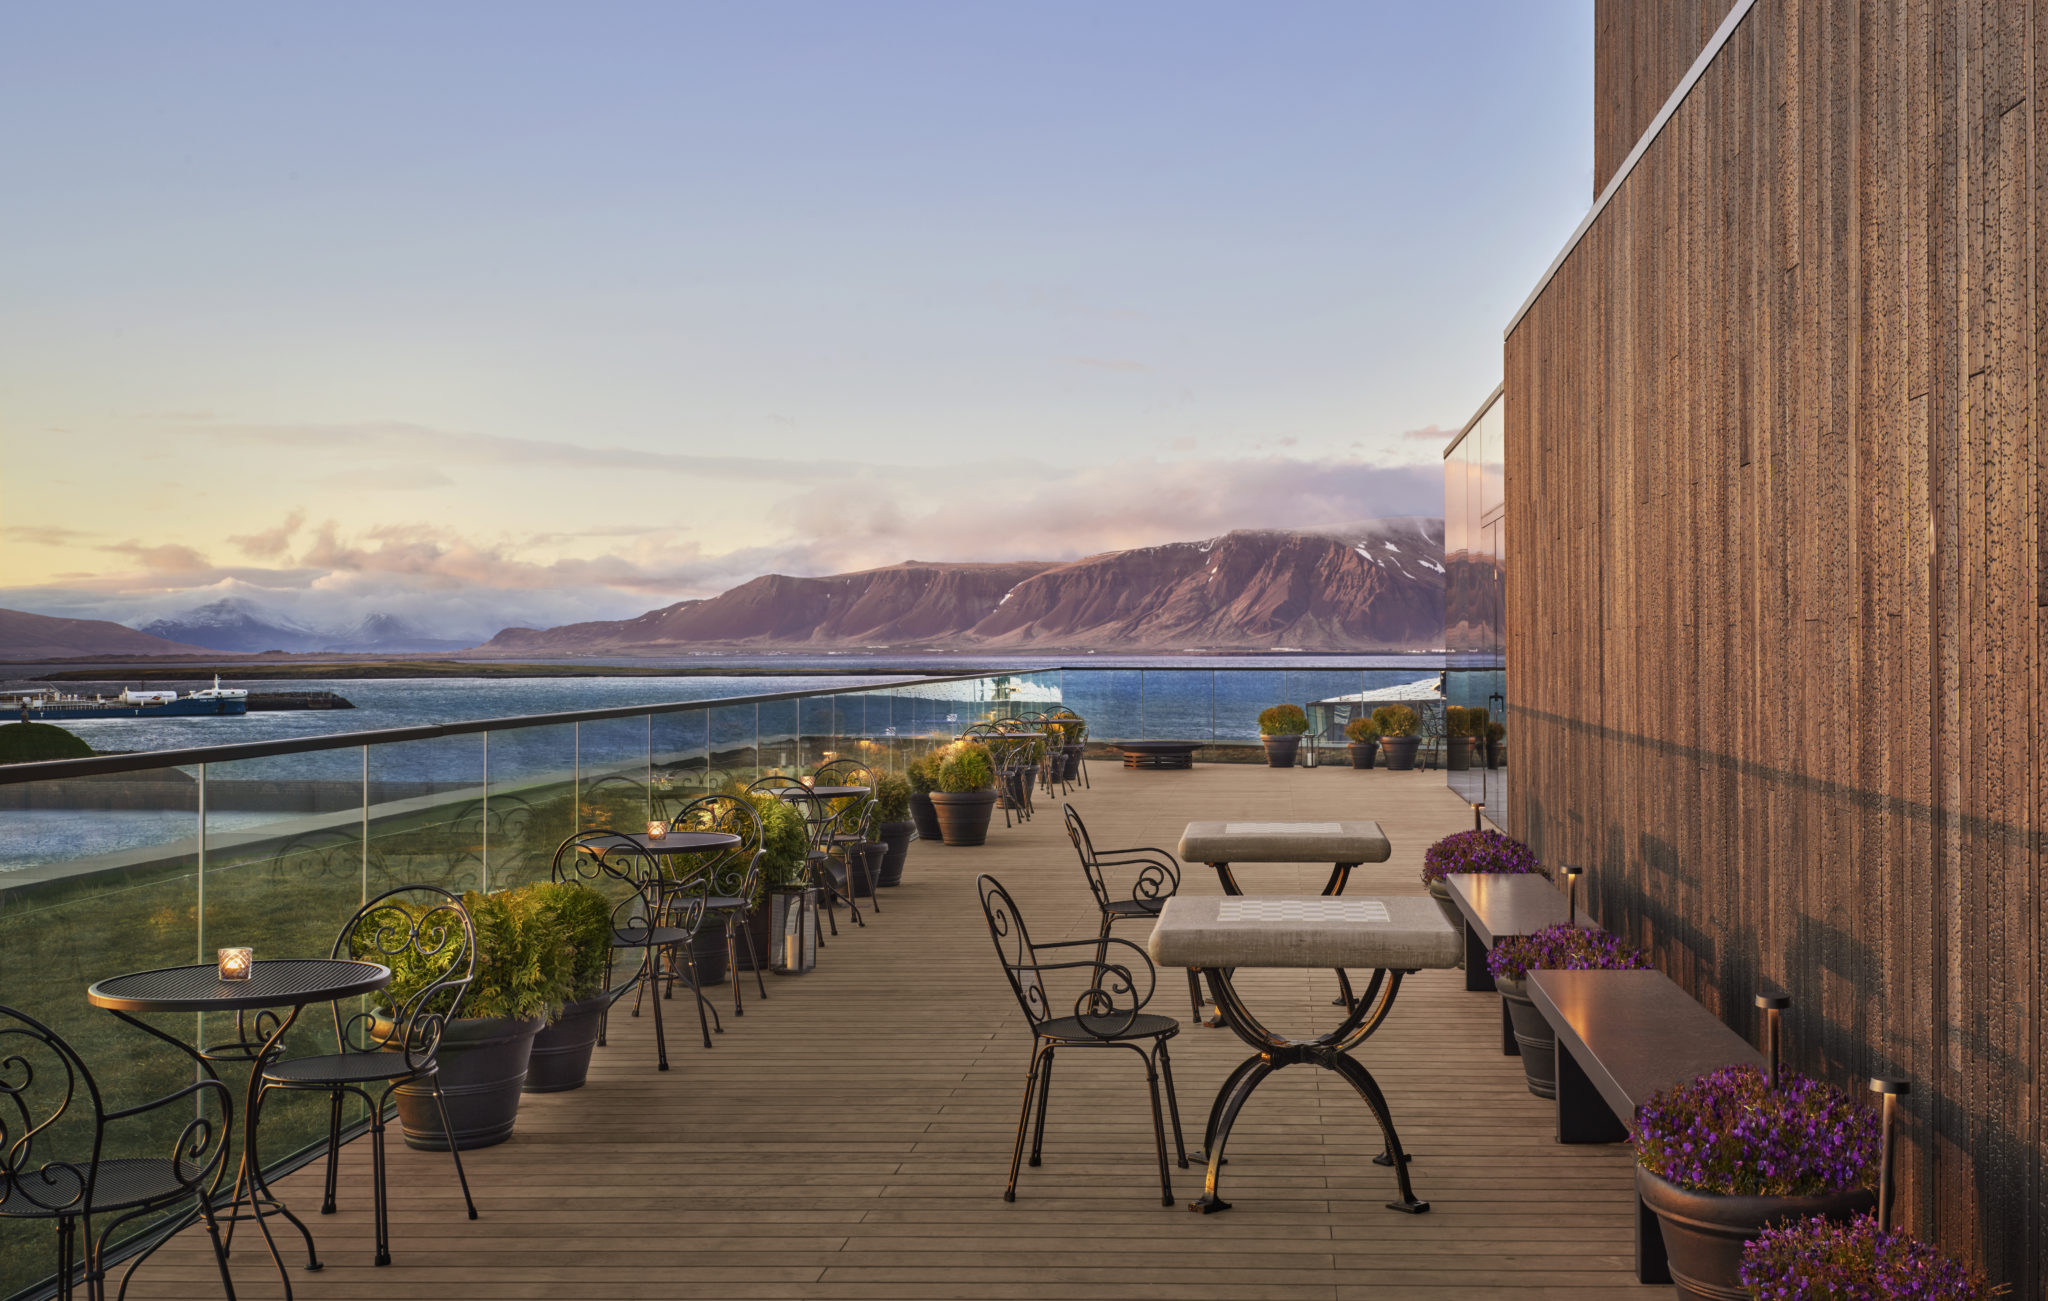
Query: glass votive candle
[235, 963]
[810, 781]
[657, 829]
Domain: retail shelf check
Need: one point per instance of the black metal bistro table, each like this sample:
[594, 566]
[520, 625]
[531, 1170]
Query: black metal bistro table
[1394, 936]
[822, 792]
[276, 992]
[678, 842]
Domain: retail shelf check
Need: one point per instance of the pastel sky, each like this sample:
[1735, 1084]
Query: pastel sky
[498, 313]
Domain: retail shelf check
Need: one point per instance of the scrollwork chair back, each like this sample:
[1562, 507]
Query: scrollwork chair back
[425, 935]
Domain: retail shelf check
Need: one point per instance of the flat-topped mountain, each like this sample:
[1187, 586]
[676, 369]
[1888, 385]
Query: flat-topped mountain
[25, 636]
[1377, 585]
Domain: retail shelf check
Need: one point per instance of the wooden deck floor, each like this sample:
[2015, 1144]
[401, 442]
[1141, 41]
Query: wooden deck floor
[849, 1138]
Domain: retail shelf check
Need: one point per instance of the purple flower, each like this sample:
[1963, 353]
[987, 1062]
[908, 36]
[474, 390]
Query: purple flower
[1818, 1260]
[1729, 1132]
[1477, 851]
[1563, 948]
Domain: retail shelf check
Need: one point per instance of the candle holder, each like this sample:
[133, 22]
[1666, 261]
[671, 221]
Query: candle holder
[236, 963]
[657, 829]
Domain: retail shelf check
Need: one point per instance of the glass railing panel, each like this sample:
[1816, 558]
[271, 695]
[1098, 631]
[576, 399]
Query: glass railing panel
[779, 752]
[428, 824]
[818, 731]
[1112, 700]
[1180, 704]
[734, 757]
[1241, 695]
[612, 769]
[1331, 698]
[682, 747]
[530, 802]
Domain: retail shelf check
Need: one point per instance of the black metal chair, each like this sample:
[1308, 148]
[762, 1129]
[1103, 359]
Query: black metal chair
[41, 1076]
[652, 912]
[733, 877]
[1068, 719]
[820, 823]
[853, 827]
[425, 935]
[1157, 879]
[1108, 1013]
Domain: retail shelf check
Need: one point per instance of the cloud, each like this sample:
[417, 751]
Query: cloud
[44, 535]
[1429, 434]
[1108, 363]
[269, 544]
[165, 558]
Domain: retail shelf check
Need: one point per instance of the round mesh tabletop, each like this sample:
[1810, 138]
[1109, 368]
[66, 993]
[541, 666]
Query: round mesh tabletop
[682, 842]
[287, 982]
[822, 792]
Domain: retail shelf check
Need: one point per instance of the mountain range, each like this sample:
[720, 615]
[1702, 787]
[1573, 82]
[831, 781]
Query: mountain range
[1377, 585]
[25, 636]
[236, 625]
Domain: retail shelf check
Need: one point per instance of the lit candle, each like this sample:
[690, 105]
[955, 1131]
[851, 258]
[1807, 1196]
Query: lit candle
[808, 781]
[657, 829]
[235, 963]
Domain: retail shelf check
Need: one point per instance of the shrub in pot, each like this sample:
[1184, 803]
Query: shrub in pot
[894, 827]
[1364, 739]
[785, 870]
[966, 797]
[1280, 729]
[1723, 1155]
[1495, 733]
[923, 776]
[582, 920]
[1073, 736]
[522, 969]
[1818, 1259]
[1398, 725]
[1458, 726]
[1472, 851]
[1554, 948]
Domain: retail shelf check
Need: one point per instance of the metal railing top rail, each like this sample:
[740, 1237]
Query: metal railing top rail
[103, 765]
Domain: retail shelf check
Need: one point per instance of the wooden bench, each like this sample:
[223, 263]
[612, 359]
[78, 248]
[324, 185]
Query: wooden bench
[1621, 1037]
[1158, 754]
[1496, 906]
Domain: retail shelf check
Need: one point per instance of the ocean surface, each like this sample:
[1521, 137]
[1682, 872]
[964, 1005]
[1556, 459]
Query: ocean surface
[1205, 698]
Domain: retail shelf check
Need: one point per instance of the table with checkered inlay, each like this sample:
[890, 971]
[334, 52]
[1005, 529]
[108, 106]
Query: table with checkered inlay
[1393, 936]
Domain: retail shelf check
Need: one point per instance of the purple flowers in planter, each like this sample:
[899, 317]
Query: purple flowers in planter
[1729, 1132]
[1817, 1259]
[1563, 948]
[1477, 851]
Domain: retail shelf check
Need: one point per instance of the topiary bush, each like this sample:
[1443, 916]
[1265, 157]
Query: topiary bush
[1361, 731]
[582, 918]
[966, 768]
[1396, 720]
[892, 799]
[923, 774]
[1457, 721]
[38, 743]
[786, 842]
[1283, 720]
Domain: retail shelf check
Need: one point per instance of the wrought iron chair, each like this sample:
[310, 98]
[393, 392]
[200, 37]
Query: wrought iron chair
[425, 935]
[41, 1076]
[1157, 879]
[854, 825]
[1108, 1013]
[652, 914]
[821, 823]
[1067, 717]
[733, 878]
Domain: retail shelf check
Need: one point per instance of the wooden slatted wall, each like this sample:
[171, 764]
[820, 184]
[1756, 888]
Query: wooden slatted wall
[1774, 583]
[1641, 50]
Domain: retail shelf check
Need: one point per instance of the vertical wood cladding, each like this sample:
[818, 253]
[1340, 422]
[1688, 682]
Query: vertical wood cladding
[1641, 50]
[1775, 605]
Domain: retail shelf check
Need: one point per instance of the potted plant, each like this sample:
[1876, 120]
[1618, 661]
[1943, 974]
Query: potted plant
[1457, 738]
[521, 973]
[1365, 741]
[1280, 730]
[1398, 725]
[1472, 851]
[784, 882]
[1495, 732]
[965, 798]
[923, 775]
[1073, 735]
[1815, 1258]
[892, 814]
[582, 919]
[1554, 948]
[1723, 1155]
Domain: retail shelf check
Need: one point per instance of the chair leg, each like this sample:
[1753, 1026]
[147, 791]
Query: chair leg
[1180, 1145]
[441, 1103]
[1023, 1120]
[732, 964]
[1044, 1094]
[604, 1018]
[333, 1150]
[747, 934]
[66, 1232]
[697, 988]
[1158, 1132]
[649, 967]
[220, 1251]
[377, 1180]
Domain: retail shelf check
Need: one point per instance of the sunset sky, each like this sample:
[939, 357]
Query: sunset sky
[492, 313]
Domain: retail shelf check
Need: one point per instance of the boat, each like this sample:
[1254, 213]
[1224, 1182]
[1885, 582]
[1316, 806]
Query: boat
[50, 705]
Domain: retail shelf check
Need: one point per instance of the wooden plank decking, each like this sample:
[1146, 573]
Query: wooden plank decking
[849, 1138]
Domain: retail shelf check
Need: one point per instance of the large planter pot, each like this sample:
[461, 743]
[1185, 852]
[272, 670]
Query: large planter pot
[708, 951]
[1070, 762]
[1457, 753]
[1362, 753]
[1399, 751]
[1704, 1233]
[1533, 1036]
[1493, 754]
[561, 1051]
[483, 1068]
[963, 817]
[1281, 750]
[896, 835]
[924, 817]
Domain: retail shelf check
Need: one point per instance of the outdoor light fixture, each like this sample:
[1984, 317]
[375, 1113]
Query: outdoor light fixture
[1773, 1005]
[657, 829]
[1892, 1089]
[1572, 874]
[1476, 810]
[235, 964]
